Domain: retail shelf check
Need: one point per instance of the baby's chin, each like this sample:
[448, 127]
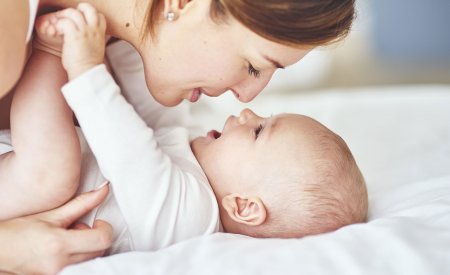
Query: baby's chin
[200, 142]
[196, 146]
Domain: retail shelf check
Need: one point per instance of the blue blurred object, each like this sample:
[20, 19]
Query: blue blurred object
[412, 31]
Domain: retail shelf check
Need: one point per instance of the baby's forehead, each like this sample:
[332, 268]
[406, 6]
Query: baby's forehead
[296, 134]
[297, 143]
[288, 122]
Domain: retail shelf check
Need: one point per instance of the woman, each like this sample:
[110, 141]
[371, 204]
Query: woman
[195, 47]
[189, 48]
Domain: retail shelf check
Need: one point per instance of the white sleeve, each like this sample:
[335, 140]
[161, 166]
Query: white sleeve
[161, 204]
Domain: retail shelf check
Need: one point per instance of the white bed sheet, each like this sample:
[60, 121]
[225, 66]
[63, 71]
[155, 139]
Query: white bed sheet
[400, 137]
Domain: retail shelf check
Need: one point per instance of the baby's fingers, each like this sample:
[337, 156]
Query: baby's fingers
[75, 15]
[66, 27]
[90, 13]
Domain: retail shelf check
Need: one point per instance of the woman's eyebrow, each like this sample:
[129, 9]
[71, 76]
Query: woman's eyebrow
[275, 63]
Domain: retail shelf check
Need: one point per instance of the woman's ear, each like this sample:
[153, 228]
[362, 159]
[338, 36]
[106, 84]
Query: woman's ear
[172, 8]
[249, 211]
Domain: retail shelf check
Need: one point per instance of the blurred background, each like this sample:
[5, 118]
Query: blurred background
[393, 42]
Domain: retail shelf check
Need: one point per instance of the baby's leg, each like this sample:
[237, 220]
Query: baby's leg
[43, 170]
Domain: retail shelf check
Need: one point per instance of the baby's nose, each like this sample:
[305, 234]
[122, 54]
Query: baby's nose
[245, 115]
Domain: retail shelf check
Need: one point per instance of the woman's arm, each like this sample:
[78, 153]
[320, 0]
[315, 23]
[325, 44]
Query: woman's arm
[13, 31]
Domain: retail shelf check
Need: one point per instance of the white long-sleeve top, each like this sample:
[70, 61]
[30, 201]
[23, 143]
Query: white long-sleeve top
[33, 7]
[160, 194]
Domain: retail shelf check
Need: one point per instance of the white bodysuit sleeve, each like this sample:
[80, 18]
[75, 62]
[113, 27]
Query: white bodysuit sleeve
[161, 204]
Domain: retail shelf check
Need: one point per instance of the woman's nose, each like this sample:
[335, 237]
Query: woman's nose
[249, 94]
[246, 115]
[247, 90]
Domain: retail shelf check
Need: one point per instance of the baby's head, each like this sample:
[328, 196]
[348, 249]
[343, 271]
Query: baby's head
[283, 176]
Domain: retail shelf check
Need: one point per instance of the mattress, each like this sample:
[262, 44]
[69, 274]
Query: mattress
[400, 137]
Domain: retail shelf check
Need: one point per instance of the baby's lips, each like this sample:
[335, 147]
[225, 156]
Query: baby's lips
[214, 134]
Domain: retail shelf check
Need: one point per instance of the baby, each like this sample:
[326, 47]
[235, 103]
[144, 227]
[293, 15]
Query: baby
[284, 176]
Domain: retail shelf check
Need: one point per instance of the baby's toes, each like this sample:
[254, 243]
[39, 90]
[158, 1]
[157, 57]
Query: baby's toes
[47, 36]
[45, 25]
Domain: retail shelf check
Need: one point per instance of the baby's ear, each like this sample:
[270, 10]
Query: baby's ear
[249, 211]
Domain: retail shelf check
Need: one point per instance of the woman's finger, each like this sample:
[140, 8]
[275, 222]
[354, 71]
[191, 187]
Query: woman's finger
[65, 215]
[81, 257]
[89, 12]
[96, 239]
[80, 226]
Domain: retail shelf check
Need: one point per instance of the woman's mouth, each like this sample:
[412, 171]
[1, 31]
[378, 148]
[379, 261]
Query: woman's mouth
[195, 95]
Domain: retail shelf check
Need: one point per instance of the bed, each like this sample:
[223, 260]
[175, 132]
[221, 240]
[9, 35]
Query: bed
[400, 136]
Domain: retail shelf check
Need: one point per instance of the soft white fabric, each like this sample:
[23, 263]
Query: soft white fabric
[413, 237]
[160, 189]
[33, 6]
[5, 142]
[400, 137]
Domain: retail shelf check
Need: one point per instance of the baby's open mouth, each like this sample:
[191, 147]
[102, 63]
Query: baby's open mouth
[214, 134]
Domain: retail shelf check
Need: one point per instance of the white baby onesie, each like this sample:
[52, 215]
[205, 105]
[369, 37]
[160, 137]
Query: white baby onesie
[160, 193]
[33, 7]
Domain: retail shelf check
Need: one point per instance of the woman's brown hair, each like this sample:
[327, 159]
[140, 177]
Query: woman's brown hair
[289, 22]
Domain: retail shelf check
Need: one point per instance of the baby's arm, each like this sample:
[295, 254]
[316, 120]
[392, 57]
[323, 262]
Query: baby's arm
[160, 202]
[43, 170]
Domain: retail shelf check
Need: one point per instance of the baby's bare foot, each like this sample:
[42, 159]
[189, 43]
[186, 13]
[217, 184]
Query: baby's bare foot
[47, 37]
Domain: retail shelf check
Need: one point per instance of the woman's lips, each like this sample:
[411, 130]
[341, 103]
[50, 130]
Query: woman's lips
[195, 95]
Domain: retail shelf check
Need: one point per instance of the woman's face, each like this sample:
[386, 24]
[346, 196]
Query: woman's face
[194, 55]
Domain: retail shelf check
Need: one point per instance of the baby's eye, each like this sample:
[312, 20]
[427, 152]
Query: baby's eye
[258, 130]
[252, 71]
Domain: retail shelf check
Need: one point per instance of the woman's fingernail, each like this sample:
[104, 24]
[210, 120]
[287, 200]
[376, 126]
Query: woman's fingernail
[101, 186]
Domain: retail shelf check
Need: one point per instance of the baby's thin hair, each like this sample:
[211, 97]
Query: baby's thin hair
[329, 197]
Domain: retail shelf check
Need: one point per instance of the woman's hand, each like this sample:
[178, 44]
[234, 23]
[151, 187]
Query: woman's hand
[43, 244]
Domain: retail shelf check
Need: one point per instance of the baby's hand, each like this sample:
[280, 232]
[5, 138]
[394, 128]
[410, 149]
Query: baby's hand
[83, 30]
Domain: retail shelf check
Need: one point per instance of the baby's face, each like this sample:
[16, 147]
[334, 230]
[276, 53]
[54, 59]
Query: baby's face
[252, 149]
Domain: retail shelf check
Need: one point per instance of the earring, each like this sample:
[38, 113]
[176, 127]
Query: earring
[170, 16]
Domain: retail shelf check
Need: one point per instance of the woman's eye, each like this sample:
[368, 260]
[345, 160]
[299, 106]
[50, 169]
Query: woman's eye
[258, 130]
[252, 71]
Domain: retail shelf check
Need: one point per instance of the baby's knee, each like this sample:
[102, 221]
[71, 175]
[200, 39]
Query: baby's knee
[56, 182]
[62, 185]
[41, 188]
